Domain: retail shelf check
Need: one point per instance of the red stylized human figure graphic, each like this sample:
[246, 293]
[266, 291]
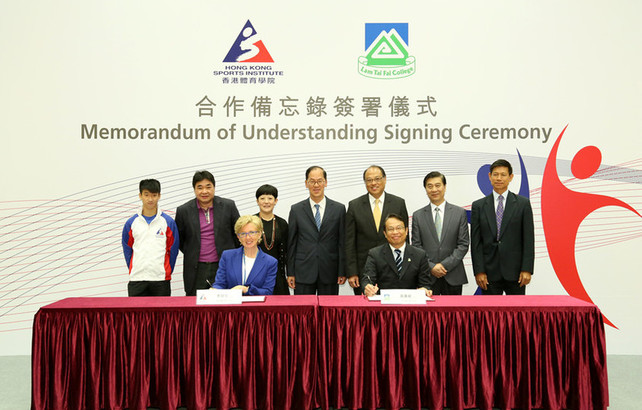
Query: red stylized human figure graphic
[563, 210]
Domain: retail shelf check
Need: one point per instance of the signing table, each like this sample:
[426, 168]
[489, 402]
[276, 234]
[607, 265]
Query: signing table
[462, 352]
[92, 353]
[301, 352]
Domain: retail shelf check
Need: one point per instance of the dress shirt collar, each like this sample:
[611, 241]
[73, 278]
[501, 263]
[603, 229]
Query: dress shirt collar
[321, 205]
[442, 208]
[402, 249]
[381, 199]
[496, 195]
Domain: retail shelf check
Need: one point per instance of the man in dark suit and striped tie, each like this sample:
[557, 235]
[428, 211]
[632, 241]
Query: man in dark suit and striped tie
[396, 264]
[502, 236]
[316, 240]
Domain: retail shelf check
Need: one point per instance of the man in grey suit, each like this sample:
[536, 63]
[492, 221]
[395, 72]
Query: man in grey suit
[441, 229]
[502, 236]
[316, 240]
[206, 228]
[396, 264]
[364, 227]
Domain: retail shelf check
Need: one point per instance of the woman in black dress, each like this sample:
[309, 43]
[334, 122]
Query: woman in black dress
[275, 235]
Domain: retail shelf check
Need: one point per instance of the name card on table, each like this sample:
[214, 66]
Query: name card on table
[219, 296]
[403, 297]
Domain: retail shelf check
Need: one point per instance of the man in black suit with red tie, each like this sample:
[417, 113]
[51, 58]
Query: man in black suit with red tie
[502, 236]
[364, 222]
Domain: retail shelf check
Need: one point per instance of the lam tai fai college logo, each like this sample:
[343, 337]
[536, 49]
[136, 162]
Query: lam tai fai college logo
[386, 52]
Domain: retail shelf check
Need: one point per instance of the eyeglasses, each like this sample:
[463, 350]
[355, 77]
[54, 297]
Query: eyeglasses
[375, 179]
[243, 235]
[399, 228]
[316, 182]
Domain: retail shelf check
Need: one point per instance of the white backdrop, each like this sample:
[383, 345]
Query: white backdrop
[147, 64]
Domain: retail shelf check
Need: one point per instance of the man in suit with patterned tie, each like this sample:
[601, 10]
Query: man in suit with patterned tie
[396, 264]
[441, 229]
[502, 236]
[316, 240]
[364, 227]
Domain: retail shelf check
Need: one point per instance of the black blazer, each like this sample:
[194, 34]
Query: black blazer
[514, 252]
[381, 269]
[189, 228]
[316, 255]
[361, 232]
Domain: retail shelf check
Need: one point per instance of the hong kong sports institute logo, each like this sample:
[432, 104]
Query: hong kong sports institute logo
[386, 52]
[248, 47]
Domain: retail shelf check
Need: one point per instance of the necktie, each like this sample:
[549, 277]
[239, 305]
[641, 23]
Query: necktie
[438, 222]
[317, 217]
[500, 214]
[398, 259]
[376, 212]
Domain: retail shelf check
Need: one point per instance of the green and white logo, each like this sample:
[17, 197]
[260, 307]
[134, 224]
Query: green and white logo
[386, 52]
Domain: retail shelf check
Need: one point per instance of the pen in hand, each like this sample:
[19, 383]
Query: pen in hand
[374, 285]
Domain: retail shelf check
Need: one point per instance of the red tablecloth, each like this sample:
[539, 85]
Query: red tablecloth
[301, 352]
[91, 353]
[461, 352]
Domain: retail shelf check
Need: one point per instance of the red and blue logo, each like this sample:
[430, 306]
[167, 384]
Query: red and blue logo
[248, 48]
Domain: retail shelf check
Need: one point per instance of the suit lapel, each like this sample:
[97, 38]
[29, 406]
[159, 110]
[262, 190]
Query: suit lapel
[307, 210]
[405, 261]
[448, 218]
[326, 214]
[195, 220]
[389, 258]
[430, 220]
[367, 212]
[258, 262]
[330, 208]
[509, 210]
[384, 212]
[489, 204]
[216, 211]
[236, 265]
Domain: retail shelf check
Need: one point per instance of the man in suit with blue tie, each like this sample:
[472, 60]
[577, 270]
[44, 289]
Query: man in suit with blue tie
[441, 229]
[364, 222]
[502, 236]
[316, 240]
[396, 264]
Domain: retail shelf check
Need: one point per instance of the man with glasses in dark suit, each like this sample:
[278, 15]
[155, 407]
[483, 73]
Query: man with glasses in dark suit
[316, 240]
[396, 264]
[364, 222]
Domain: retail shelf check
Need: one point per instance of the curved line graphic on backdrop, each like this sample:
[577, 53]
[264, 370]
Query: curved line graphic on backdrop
[52, 248]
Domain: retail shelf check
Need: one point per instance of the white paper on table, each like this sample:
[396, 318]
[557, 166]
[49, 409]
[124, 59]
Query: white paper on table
[379, 298]
[259, 298]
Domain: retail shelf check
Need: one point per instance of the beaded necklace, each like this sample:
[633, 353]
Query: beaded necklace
[271, 245]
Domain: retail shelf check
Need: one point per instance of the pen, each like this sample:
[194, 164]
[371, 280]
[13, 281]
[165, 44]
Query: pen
[371, 283]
